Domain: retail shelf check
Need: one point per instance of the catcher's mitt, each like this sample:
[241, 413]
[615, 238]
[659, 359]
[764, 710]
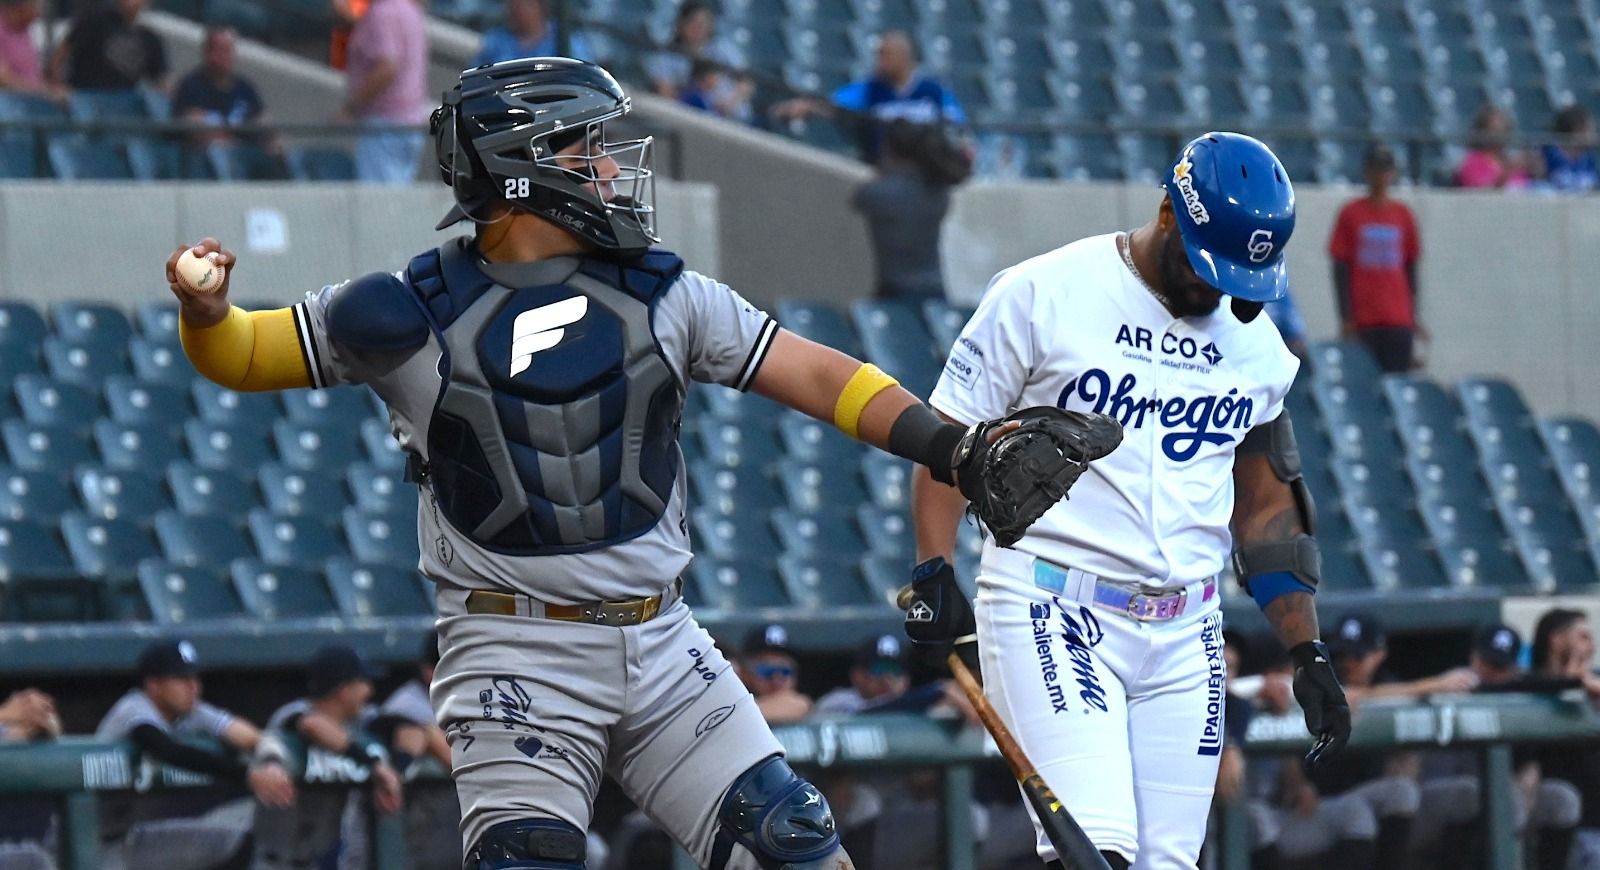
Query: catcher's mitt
[1012, 482]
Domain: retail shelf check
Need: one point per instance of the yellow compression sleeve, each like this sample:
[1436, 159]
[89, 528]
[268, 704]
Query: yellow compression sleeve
[249, 351]
[866, 383]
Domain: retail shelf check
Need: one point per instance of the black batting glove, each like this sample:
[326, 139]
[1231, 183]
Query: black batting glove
[938, 614]
[1321, 698]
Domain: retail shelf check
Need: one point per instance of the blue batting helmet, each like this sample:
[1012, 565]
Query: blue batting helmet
[1235, 211]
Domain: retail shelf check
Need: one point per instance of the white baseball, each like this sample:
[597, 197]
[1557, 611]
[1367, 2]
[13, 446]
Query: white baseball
[200, 274]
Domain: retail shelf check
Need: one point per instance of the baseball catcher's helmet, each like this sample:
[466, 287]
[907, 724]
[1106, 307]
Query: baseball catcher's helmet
[1235, 211]
[498, 133]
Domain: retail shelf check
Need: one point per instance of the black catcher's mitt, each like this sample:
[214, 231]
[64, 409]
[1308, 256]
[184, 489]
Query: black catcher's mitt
[1012, 482]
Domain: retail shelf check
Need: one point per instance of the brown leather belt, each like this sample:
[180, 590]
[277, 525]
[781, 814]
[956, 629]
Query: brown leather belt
[630, 611]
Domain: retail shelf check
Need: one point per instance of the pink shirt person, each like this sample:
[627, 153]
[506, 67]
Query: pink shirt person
[393, 31]
[20, 66]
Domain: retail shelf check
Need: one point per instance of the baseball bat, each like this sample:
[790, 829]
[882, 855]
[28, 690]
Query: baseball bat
[1072, 844]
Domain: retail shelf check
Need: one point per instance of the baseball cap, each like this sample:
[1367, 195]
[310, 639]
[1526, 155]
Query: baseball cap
[885, 650]
[168, 658]
[1357, 634]
[1498, 644]
[334, 665]
[769, 638]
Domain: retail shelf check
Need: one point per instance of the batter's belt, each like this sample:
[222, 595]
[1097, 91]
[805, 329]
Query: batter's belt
[628, 611]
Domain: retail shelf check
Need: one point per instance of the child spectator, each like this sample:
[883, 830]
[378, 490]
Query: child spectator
[1569, 163]
[1375, 251]
[1491, 162]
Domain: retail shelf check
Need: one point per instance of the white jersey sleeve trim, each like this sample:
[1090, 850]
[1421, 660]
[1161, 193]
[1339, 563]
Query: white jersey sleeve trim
[758, 354]
[308, 346]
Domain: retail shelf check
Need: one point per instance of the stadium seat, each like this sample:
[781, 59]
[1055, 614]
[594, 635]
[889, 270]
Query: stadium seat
[217, 445]
[1380, 480]
[306, 541]
[17, 358]
[888, 480]
[40, 496]
[74, 158]
[338, 408]
[203, 539]
[107, 104]
[736, 536]
[1472, 544]
[1346, 363]
[1399, 563]
[896, 339]
[292, 492]
[90, 322]
[83, 362]
[321, 164]
[724, 490]
[157, 363]
[820, 322]
[382, 538]
[810, 486]
[323, 449]
[823, 581]
[945, 323]
[105, 549]
[379, 444]
[176, 594]
[157, 320]
[1456, 484]
[726, 404]
[115, 493]
[156, 159]
[734, 586]
[145, 404]
[244, 161]
[19, 158]
[380, 490]
[1574, 446]
[819, 533]
[1492, 402]
[199, 491]
[221, 405]
[21, 323]
[738, 443]
[811, 440]
[364, 591]
[136, 448]
[280, 591]
[37, 580]
[887, 532]
[1416, 401]
[50, 402]
[39, 447]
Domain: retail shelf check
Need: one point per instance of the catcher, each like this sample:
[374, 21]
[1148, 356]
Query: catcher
[535, 373]
[1100, 634]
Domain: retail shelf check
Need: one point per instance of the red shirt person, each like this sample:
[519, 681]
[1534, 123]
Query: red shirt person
[1375, 251]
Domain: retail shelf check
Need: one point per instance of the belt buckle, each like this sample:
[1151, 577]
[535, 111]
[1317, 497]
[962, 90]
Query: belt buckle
[1145, 607]
[630, 612]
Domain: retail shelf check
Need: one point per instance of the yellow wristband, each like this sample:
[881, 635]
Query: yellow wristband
[866, 383]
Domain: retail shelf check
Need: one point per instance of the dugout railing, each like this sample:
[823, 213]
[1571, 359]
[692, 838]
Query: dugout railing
[73, 772]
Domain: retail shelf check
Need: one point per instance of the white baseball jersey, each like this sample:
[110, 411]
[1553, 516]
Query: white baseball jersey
[1075, 328]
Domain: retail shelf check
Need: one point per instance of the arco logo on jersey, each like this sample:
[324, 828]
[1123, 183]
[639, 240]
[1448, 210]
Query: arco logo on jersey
[1202, 352]
[1193, 420]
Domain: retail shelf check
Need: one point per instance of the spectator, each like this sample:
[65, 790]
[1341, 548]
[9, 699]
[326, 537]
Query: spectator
[878, 676]
[155, 717]
[769, 670]
[407, 724]
[108, 48]
[712, 89]
[1569, 163]
[528, 32]
[387, 77]
[694, 38]
[21, 70]
[29, 714]
[1563, 654]
[327, 719]
[345, 15]
[1375, 252]
[897, 89]
[1490, 161]
[905, 206]
[1564, 647]
[214, 94]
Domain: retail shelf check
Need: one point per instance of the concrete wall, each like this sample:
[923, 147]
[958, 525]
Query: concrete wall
[109, 241]
[1508, 282]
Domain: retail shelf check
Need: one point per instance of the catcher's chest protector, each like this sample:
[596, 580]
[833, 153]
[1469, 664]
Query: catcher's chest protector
[555, 430]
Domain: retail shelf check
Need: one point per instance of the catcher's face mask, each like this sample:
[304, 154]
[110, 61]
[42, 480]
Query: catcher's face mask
[617, 174]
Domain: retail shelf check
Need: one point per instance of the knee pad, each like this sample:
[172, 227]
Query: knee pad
[528, 844]
[779, 817]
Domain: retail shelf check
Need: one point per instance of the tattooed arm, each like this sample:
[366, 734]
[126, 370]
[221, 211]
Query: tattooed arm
[1264, 511]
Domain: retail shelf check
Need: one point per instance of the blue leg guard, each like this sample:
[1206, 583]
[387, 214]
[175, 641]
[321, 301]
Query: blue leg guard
[528, 844]
[781, 819]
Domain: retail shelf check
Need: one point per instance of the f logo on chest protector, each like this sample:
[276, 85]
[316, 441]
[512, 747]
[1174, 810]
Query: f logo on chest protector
[541, 328]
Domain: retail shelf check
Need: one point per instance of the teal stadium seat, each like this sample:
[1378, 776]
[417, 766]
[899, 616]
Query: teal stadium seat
[244, 161]
[37, 580]
[120, 494]
[379, 444]
[888, 480]
[819, 322]
[325, 449]
[819, 533]
[724, 490]
[945, 323]
[887, 532]
[84, 361]
[1472, 545]
[736, 586]
[346, 408]
[380, 490]
[304, 541]
[140, 403]
[820, 582]
[896, 339]
[739, 443]
[1574, 446]
[726, 404]
[365, 591]
[217, 445]
[1347, 363]
[21, 323]
[811, 486]
[811, 440]
[884, 576]
[279, 591]
[50, 402]
[42, 447]
[108, 551]
[292, 492]
[382, 538]
[157, 320]
[178, 594]
[136, 447]
[17, 358]
[216, 404]
[90, 322]
[74, 158]
[736, 536]
[206, 540]
[321, 164]
[41, 496]
[155, 362]
[200, 491]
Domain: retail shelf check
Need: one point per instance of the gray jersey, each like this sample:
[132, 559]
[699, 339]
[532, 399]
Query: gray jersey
[409, 702]
[135, 709]
[840, 702]
[707, 333]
